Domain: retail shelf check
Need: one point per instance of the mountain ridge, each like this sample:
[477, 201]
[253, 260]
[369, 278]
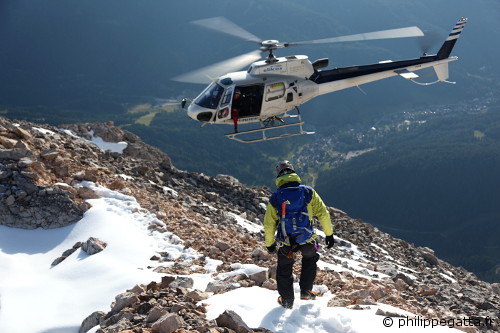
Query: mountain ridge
[37, 157]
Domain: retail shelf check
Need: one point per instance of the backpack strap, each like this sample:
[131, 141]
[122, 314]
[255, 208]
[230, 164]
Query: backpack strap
[308, 192]
[282, 220]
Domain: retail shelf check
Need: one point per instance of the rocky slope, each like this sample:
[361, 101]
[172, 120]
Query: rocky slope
[40, 166]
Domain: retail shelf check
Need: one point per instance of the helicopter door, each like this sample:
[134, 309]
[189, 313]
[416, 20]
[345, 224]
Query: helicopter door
[274, 93]
[224, 111]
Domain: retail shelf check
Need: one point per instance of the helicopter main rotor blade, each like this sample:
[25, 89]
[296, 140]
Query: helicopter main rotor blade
[208, 73]
[383, 34]
[221, 24]
[429, 40]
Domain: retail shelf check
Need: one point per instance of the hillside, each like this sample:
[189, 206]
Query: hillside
[201, 227]
[70, 61]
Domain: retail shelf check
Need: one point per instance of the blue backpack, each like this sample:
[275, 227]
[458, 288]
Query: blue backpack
[291, 203]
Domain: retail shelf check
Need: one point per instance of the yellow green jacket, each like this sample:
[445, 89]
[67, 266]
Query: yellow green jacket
[316, 207]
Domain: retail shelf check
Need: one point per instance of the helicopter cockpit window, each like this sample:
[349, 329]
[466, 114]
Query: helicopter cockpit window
[211, 96]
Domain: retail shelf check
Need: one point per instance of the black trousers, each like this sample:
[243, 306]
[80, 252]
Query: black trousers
[284, 270]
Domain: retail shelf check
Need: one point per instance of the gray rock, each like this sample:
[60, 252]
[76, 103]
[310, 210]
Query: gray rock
[166, 281]
[4, 174]
[14, 153]
[218, 286]
[388, 269]
[222, 246]
[10, 200]
[270, 284]
[168, 323]
[182, 281]
[428, 256]
[24, 162]
[197, 295]
[403, 277]
[123, 300]
[232, 320]
[258, 277]
[119, 326]
[91, 321]
[155, 314]
[93, 246]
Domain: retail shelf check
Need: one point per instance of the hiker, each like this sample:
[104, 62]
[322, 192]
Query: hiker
[235, 108]
[288, 227]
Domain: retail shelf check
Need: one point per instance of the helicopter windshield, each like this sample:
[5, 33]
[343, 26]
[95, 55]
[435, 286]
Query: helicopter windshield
[210, 98]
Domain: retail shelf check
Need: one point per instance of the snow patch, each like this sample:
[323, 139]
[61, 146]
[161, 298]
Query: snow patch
[44, 131]
[115, 147]
[250, 226]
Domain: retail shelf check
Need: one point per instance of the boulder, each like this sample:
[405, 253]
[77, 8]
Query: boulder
[14, 153]
[22, 133]
[182, 281]
[233, 321]
[428, 255]
[168, 323]
[270, 284]
[197, 295]
[123, 300]
[155, 314]
[93, 246]
[222, 246]
[91, 321]
[259, 277]
[218, 286]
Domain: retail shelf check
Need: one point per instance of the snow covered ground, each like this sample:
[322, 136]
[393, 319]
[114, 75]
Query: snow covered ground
[35, 297]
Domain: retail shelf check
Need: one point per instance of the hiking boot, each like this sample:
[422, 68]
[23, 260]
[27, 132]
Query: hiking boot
[287, 303]
[307, 294]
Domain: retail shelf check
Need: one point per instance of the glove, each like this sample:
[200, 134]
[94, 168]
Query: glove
[329, 241]
[272, 249]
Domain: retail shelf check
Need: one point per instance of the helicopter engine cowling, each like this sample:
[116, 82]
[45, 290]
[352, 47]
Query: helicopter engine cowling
[295, 66]
[320, 63]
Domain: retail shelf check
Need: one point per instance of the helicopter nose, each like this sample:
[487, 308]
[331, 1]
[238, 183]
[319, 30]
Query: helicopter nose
[200, 113]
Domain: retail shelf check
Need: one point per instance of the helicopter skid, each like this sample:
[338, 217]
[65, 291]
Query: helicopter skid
[265, 137]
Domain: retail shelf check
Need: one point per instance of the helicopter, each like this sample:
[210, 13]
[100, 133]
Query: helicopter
[270, 91]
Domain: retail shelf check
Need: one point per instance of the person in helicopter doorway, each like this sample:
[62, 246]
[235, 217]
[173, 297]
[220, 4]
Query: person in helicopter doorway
[235, 108]
[288, 228]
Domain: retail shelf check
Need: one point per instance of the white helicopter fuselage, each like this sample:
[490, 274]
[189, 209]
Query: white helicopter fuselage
[274, 88]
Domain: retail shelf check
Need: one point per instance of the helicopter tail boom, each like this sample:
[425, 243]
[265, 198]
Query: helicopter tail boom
[341, 78]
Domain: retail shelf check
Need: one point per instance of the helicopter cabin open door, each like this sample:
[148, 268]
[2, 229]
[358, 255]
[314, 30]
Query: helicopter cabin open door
[224, 111]
[276, 95]
[247, 104]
